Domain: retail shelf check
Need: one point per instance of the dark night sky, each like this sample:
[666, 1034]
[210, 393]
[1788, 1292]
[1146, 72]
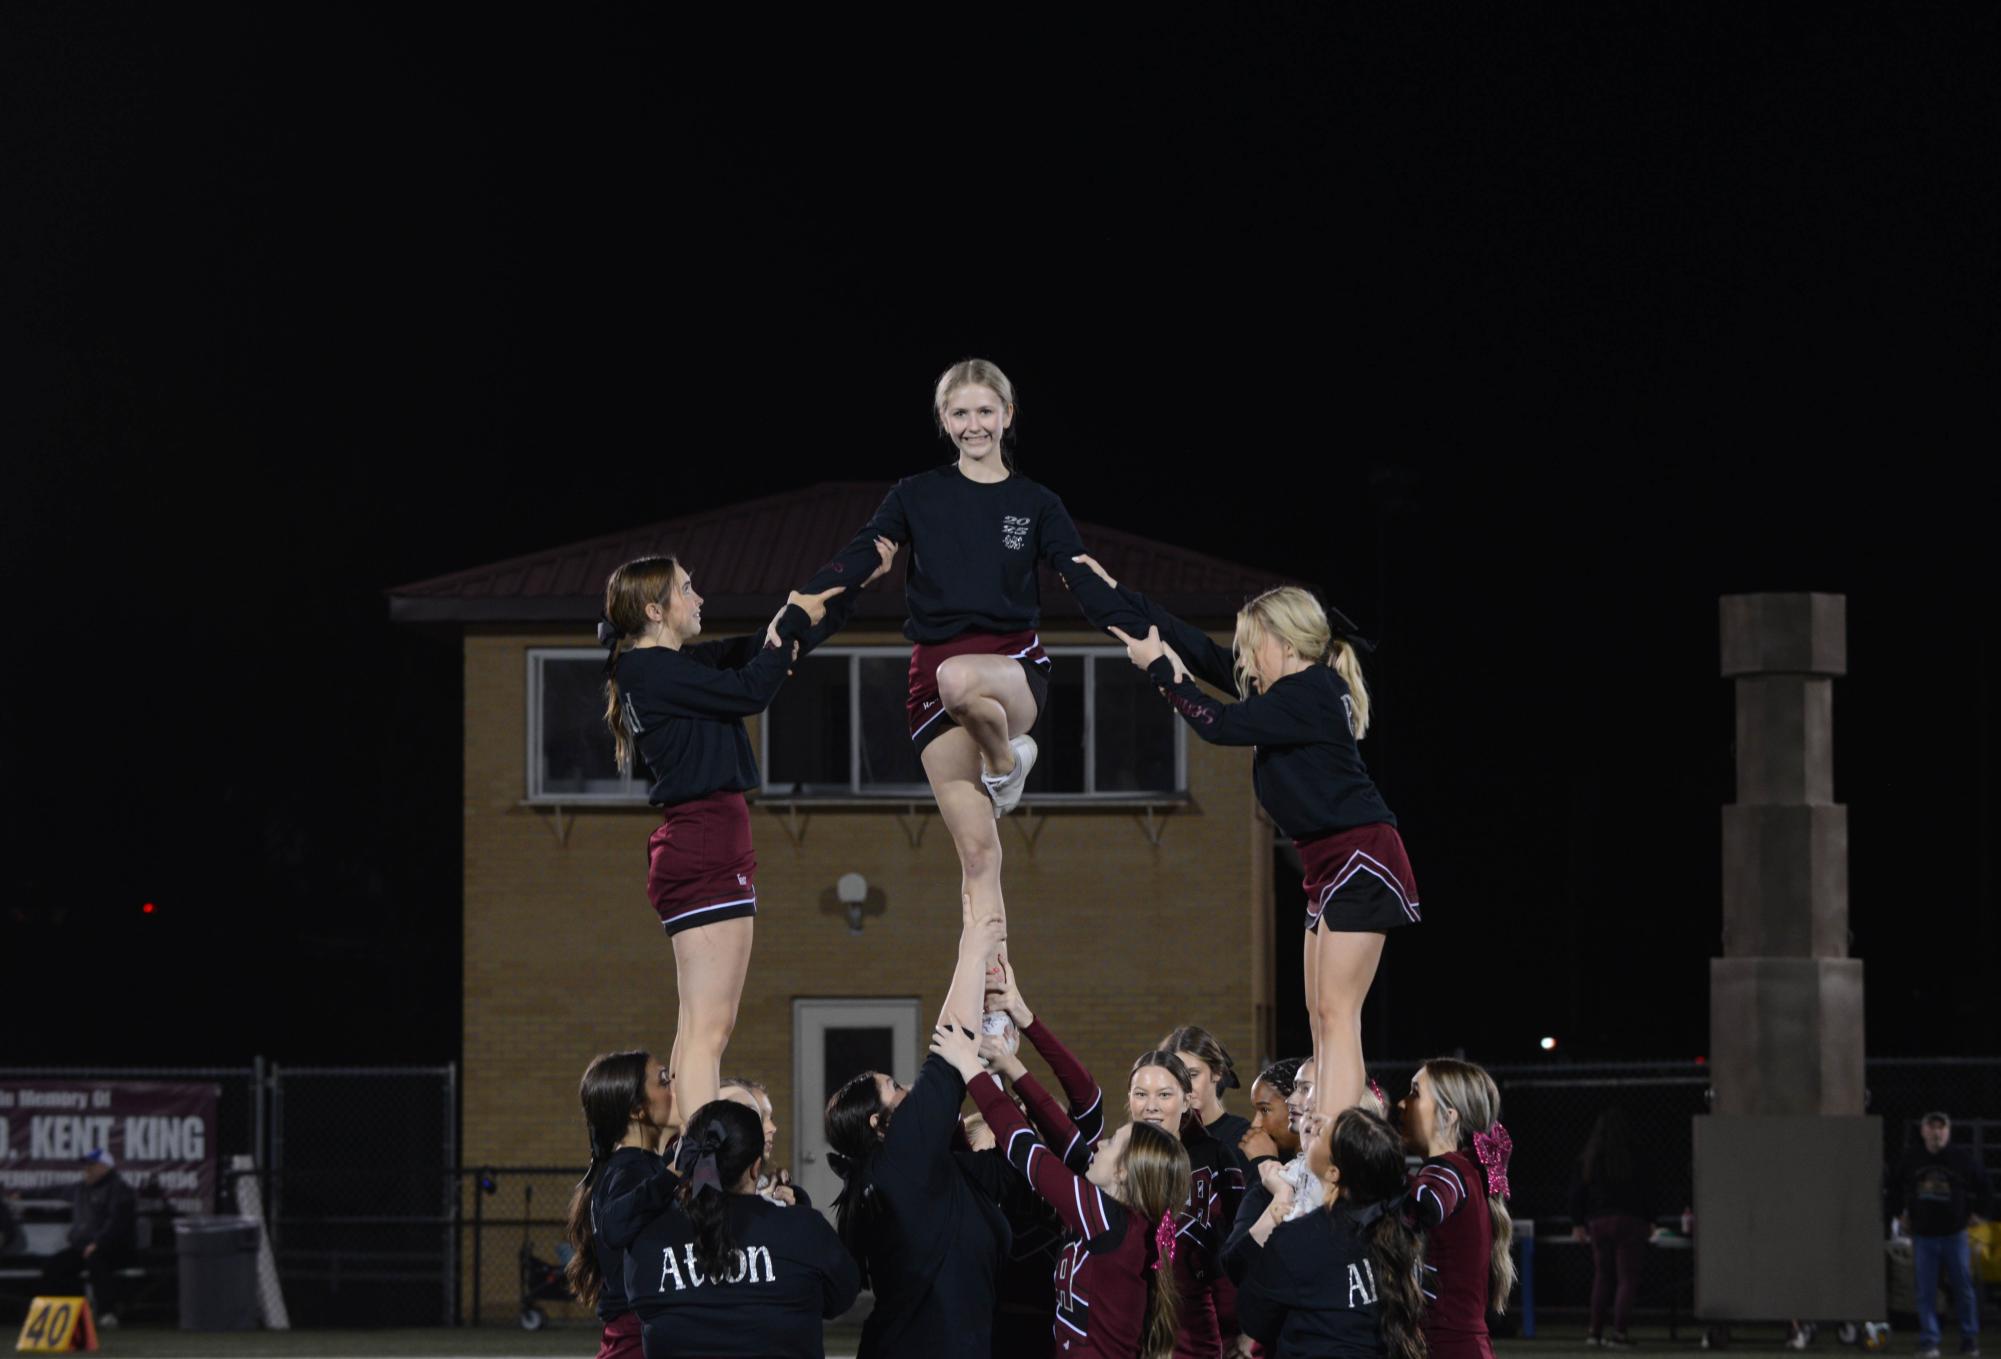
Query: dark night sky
[1526, 337]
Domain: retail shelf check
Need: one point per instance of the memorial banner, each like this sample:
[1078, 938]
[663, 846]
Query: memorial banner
[162, 1136]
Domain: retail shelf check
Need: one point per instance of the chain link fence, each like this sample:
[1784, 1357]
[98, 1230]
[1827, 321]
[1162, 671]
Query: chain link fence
[359, 1182]
[1550, 1109]
[362, 1194]
[511, 1229]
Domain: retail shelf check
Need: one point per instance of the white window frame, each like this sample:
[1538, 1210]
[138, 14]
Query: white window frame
[634, 792]
[903, 793]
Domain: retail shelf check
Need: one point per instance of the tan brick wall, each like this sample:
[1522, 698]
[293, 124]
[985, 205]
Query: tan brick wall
[1115, 940]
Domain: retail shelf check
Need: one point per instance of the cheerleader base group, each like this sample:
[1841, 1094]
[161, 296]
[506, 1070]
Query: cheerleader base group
[986, 1213]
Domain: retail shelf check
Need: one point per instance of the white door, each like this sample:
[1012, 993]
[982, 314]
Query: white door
[831, 1041]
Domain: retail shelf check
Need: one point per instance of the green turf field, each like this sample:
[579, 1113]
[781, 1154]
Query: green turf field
[492, 1342]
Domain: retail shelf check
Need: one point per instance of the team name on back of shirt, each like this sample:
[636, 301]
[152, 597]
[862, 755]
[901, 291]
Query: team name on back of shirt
[744, 1270]
[1361, 1285]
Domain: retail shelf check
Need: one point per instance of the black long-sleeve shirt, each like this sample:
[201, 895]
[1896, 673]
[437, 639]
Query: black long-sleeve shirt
[689, 704]
[791, 1272]
[934, 1242]
[633, 1187]
[1025, 1281]
[1311, 1289]
[1226, 1132]
[974, 547]
[1308, 769]
[1239, 1250]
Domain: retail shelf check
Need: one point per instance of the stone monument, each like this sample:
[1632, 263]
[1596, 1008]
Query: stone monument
[1788, 1168]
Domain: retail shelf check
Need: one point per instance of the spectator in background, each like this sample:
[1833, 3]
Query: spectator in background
[102, 1235]
[1935, 1190]
[1612, 1207]
[13, 1240]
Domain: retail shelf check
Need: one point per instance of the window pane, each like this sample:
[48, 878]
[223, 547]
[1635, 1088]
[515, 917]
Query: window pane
[1135, 735]
[576, 754]
[849, 1052]
[1059, 731]
[888, 758]
[808, 725]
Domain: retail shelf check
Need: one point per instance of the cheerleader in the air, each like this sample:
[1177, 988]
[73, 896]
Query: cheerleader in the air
[681, 705]
[977, 531]
[1304, 706]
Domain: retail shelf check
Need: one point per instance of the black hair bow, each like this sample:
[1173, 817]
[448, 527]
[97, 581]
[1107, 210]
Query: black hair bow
[1344, 630]
[696, 1161]
[1364, 1217]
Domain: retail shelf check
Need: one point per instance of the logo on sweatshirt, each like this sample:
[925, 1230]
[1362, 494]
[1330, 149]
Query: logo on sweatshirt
[746, 1266]
[1014, 531]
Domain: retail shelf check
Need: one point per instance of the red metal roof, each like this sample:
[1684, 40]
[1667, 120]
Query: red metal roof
[748, 555]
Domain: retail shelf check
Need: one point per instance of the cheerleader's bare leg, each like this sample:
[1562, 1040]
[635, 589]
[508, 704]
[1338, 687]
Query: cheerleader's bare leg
[1340, 966]
[988, 697]
[710, 963]
[953, 764]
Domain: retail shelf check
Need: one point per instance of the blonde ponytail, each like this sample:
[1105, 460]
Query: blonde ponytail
[1347, 664]
[1296, 618]
[1470, 1093]
[1503, 1253]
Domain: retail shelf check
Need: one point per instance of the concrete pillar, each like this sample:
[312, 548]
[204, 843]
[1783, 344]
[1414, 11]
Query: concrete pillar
[1786, 1163]
[1785, 1000]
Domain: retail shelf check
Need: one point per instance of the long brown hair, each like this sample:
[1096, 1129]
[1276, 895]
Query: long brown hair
[1470, 1093]
[1156, 1186]
[613, 1093]
[1369, 1154]
[627, 592]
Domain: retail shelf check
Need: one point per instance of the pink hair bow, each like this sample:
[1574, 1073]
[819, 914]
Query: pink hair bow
[1163, 1241]
[1493, 1147]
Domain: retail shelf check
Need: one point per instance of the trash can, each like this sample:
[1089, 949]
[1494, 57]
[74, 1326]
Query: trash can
[218, 1267]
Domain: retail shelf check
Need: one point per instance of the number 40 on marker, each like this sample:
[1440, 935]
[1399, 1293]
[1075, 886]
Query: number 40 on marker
[57, 1324]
